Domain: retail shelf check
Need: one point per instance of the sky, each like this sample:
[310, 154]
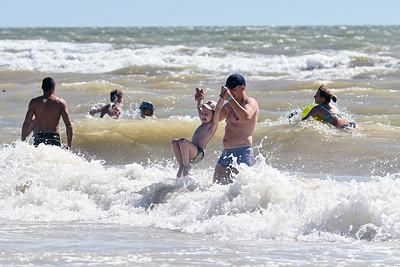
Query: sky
[113, 13]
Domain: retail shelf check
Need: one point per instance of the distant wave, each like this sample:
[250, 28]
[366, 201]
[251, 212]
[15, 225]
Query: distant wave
[63, 57]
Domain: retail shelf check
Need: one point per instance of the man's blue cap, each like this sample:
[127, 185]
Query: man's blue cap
[235, 80]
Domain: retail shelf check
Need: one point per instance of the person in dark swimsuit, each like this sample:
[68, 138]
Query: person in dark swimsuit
[327, 111]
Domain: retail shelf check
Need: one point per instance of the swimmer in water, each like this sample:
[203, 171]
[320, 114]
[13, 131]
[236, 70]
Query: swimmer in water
[328, 112]
[113, 109]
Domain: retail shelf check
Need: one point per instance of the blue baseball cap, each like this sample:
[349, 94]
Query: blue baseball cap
[235, 80]
[147, 105]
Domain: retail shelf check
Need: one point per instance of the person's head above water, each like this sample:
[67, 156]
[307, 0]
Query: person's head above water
[116, 96]
[147, 105]
[235, 80]
[326, 94]
[147, 109]
[48, 84]
[210, 105]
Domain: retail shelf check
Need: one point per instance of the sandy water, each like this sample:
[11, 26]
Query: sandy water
[315, 196]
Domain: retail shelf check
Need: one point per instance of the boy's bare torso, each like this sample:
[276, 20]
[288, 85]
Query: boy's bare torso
[203, 134]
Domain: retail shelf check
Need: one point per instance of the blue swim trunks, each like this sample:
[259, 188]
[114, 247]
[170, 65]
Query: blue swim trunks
[242, 155]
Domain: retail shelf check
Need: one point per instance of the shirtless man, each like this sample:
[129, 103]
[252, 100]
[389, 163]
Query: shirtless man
[241, 114]
[47, 110]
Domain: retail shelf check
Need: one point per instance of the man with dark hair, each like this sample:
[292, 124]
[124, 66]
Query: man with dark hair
[48, 109]
[241, 114]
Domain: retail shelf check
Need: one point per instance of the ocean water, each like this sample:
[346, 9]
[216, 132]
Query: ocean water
[316, 195]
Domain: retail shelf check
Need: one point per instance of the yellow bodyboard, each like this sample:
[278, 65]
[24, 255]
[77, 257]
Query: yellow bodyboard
[307, 110]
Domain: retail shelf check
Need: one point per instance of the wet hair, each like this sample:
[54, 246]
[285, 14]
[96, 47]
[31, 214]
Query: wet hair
[48, 84]
[327, 94]
[116, 95]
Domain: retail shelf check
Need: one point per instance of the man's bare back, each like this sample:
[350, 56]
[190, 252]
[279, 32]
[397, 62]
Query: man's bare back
[48, 111]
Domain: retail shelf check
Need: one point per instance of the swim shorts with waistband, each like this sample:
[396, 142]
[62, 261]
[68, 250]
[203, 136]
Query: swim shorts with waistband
[242, 155]
[47, 139]
[199, 156]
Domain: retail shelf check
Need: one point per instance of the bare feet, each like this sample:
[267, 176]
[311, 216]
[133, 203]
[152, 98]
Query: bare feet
[186, 170]
[180, 171]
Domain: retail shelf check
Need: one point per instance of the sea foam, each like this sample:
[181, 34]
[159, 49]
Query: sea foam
[63, 57]
[51, 184]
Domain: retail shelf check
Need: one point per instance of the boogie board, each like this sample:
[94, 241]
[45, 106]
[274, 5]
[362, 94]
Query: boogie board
[307, 110]
[295, 115]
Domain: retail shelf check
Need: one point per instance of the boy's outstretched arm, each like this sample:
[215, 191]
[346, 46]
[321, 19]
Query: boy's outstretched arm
[217, 112]
[199, 97]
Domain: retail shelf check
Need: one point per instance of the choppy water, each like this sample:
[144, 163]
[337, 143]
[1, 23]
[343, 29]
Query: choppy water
[316, 195]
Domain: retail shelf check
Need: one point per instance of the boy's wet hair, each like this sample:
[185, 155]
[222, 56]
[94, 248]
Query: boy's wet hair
[116, 95]
[48, 84]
